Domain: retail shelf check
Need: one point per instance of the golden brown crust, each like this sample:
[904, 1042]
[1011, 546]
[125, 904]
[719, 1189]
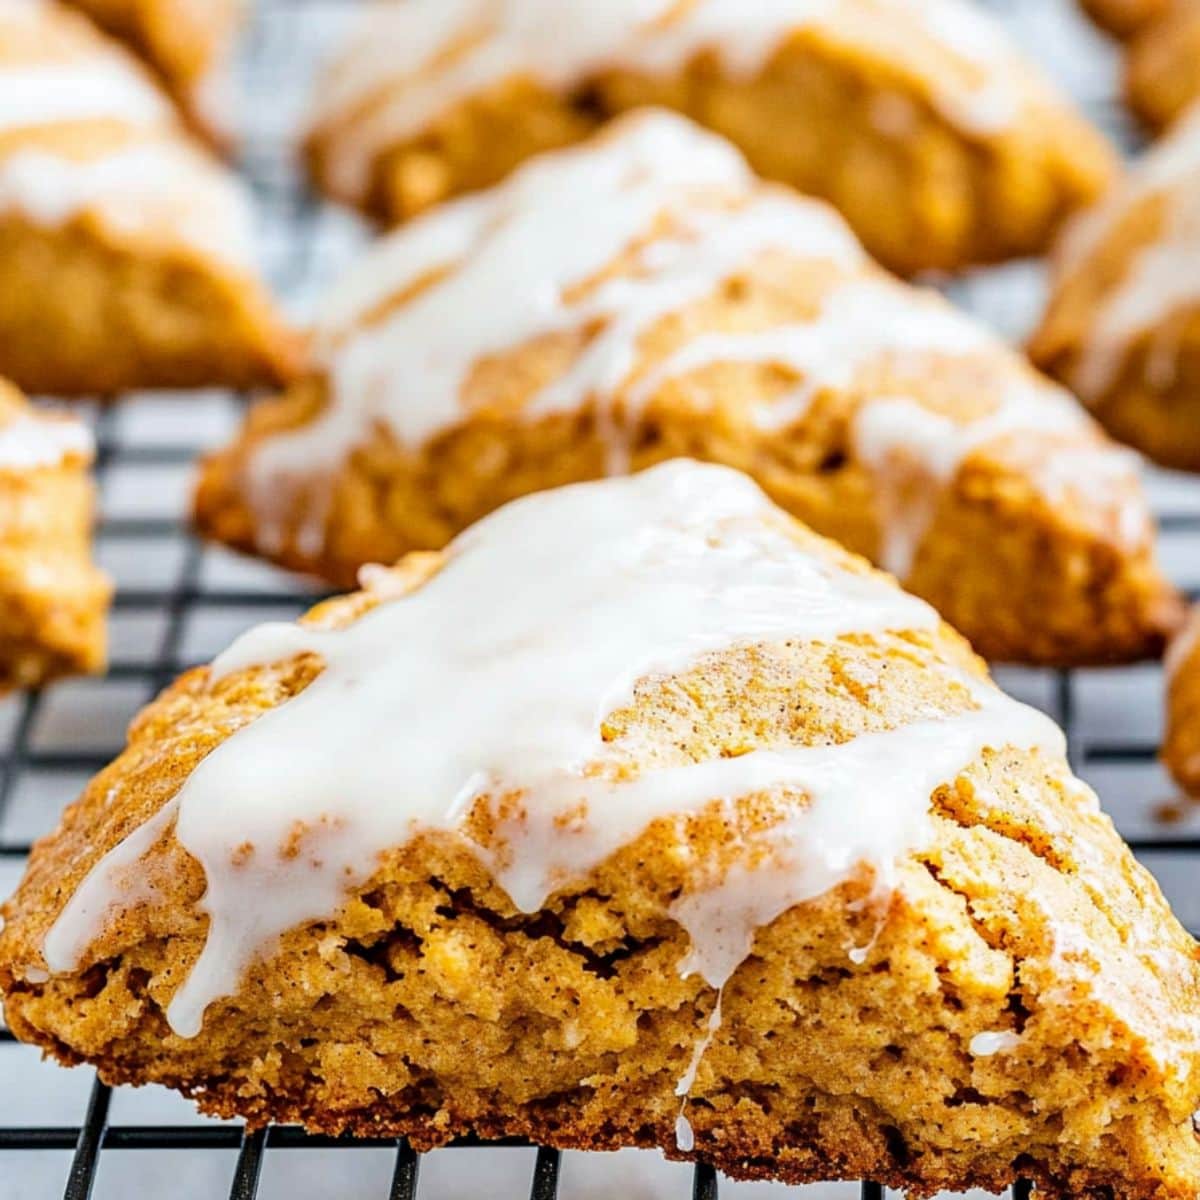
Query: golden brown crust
[53, 600]
[1024, 578]
[121, 316]
[1163, 69]
[428, 1006]
[919, 192]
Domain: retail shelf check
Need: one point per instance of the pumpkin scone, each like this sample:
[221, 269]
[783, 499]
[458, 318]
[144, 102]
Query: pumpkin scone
[1163, 71]
[188, 43]
[644, 297]
[641, 816]
[125, 249]
[916, 118]
[53, 600]
[1181, 745]
[1123, 325]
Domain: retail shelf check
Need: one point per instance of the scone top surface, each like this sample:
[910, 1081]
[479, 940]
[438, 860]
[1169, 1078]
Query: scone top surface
[500, 677]
[644, 296]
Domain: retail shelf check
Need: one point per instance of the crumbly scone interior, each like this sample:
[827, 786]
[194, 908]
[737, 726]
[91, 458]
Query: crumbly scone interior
[489, 349]
[938, 967]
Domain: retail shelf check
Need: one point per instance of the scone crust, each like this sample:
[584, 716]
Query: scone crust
[865, 134]
[428, 1007]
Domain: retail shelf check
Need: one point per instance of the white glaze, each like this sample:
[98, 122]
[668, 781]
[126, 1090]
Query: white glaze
[1164, 276]
[160, 189]
[30, 441]
[439, 698]
[100, 87]
[509, 267]
[984, 1045]
[415, 61]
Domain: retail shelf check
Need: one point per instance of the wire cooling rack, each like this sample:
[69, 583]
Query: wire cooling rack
[179, 603]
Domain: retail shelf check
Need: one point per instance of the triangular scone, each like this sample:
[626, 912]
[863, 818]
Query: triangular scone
[1123, 324]
[125, 249]
[1181, 746]
[188, 43]
[53, 600]
[1163, 73]
[642, 816]
[644, 297]
[916, 118]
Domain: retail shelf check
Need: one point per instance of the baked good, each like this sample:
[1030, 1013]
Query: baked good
[1163, 73]
[916, 118]
[1123, 324]
[1181, 745]
[53, 599]
[1123, 18]
[188, 44]
[125, 249]
[642, 816]
[644, 297]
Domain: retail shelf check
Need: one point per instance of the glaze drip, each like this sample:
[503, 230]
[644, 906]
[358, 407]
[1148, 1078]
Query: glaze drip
[438, 701]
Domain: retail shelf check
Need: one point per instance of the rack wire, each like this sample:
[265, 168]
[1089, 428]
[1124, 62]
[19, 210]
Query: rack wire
[178, 602]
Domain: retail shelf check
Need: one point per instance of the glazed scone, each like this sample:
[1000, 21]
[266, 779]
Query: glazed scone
[916, 118]
[126, 255]
[187, 42]
[1123, 324]
[1163, 74]
[1181, 746]
[644, 297]
[641, 816]
[1123, 18]
[53, 599]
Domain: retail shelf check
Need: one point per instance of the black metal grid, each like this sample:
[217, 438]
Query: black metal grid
[280, 49]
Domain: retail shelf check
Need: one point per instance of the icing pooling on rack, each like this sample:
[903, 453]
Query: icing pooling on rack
[30, 441]
[153, 182]
[1164, 275]
[510, 266]
[413, 720]
[415, 61]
